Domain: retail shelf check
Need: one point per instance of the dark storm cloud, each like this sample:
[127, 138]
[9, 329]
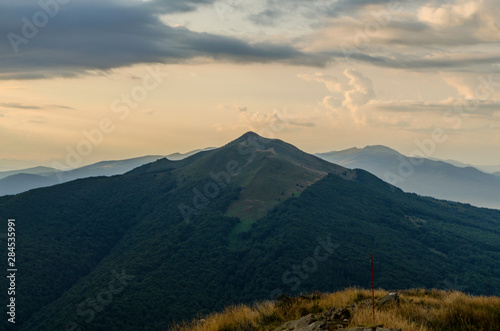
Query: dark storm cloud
[175, 6]
[84, 36]
[418, 62]
[95, 35]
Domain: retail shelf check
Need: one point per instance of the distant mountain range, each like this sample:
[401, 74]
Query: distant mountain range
[484, 168]
[29, 171]
[426, 177]
[181, 156]
[18, 181]
[12, 164]
[254, 219]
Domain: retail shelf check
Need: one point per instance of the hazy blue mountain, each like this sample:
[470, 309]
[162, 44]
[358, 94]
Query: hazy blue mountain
[453, 162]
[484, 168]
[423, 176]
[18, 181]
[180, 156]
[107, 168]
[29, 171]
[23, 180]
[251, 220]
[489, 168]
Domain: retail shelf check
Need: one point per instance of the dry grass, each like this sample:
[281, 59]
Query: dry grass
[419, 310]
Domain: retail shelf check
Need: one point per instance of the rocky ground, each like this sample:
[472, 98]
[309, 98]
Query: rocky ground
[336, 318]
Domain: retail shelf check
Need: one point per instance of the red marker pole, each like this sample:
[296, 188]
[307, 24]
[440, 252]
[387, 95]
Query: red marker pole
[373, 291]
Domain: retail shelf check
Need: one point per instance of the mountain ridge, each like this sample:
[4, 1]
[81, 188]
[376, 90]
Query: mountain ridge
[18, 181]
[28, 171]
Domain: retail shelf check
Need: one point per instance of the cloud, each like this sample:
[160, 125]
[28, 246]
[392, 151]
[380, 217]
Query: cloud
[452, 115]
[275, 120]
[359, 92]
[331, 102]
[350, 96]
[304, 123]
[18, 105]
[86, 36]
[331, 83]
[349, 7]
[459, 106]
[60, 107]
[449, 14]
[474, 85]
[176, 6]
[233, 107]
[37, 121]
[457, 36]
[266, 17]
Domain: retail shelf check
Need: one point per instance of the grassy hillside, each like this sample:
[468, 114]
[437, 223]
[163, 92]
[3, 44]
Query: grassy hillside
[417, 310]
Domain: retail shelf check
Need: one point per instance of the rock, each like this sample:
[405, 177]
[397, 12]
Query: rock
[337, 318]
[333, 319]
[313, 322]
[308, 322]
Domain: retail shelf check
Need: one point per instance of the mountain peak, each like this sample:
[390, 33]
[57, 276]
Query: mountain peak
[259, 161]
[380, 149]
[353, 151]
[250, 136]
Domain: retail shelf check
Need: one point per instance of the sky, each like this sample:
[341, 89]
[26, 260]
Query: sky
[85, 81]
